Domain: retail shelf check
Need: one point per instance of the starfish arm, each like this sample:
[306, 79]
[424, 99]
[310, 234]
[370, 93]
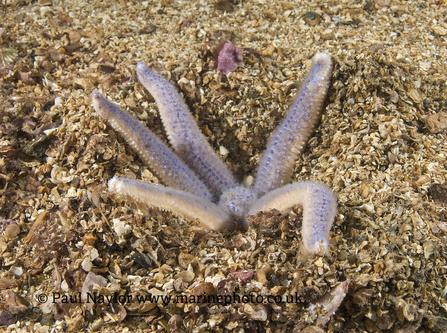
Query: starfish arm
[278, 160]
[152, 150]
[181, 203]
[184, 134]
[319, 210]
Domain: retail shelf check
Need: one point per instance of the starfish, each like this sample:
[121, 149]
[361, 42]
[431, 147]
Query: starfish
[200, 186]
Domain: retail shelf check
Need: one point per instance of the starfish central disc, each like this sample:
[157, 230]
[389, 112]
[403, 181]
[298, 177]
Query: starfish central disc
[238, 201]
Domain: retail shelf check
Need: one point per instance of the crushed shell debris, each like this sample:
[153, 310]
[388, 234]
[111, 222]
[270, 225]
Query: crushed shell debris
[381, 146]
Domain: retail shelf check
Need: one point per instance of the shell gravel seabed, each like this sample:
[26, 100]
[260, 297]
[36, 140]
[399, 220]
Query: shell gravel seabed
[380, 146]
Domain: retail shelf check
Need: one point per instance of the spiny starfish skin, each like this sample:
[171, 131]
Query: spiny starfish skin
[187, 140]
[319, 207]
[276, 165]
[190, 198]
[179, 202]
[152, 150]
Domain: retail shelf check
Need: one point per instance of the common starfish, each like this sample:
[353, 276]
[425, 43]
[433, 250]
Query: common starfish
[201, 187]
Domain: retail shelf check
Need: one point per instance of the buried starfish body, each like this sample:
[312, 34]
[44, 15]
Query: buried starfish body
[199, 184]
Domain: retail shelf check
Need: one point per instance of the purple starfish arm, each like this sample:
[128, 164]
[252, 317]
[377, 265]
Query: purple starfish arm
[176, 201]
[278, 160]
[152, 150]
[184, 135]
[319, 210]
